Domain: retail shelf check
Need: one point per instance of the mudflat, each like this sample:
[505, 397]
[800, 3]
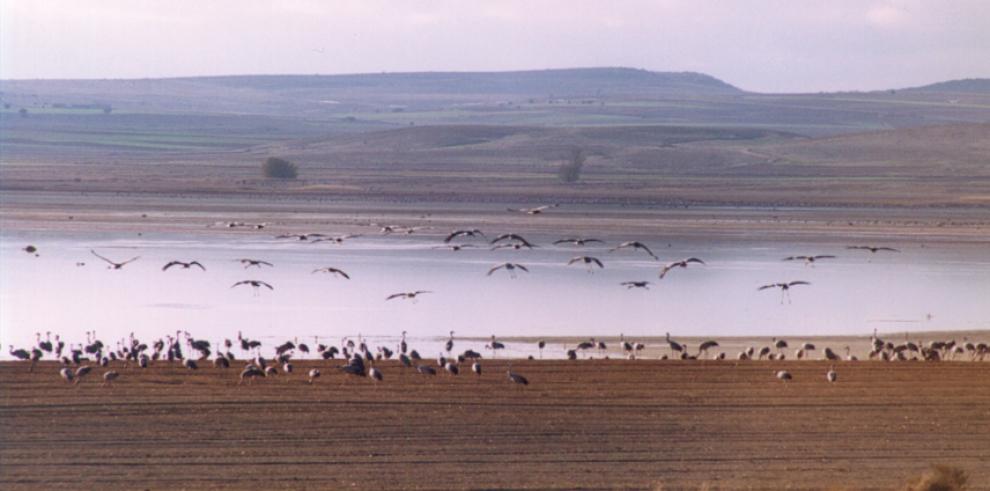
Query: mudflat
[614, 424]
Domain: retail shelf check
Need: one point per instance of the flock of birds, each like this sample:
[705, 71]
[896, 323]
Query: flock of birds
[78, 360]
[360, 360]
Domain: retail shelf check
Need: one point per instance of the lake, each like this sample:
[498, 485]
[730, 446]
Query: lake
[921, 288]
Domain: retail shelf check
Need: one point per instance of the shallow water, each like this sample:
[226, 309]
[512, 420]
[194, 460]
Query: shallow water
[918, 289]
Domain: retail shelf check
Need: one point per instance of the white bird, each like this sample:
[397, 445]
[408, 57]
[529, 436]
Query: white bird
[831, 376]
[314, 374]
[534, 211]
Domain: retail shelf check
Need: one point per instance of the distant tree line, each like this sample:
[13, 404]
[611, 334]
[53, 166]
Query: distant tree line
[277, 168]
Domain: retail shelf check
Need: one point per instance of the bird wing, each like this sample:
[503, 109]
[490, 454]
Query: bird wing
[245, 282]
[597, 261]
[453, 235]
[891, 249]
[564, 241]
[858, 247]
[794, 258]
[693, 260]
[665, 269]
[520, 266]
[131, 260]
[317, 270]
[639, 245]
[266, 284]
[594, 240]
[196, 263]
[501, 238]
[266, 263]
[101, 257]
[575, 259]
[772, 285]
[341, 273]
[170, 264]
[496, 268]
[824, 256]
[394, 295]
[798, 283]
[419, 292]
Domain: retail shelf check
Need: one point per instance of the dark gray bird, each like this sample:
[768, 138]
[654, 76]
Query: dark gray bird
[82, 372]
[463, 233]
[375, 374]
[109, 376]
[425, 370]
[873, 249]
[510, 267]
[115, 265]
[513, 237]
[332, 270]
[407, 295]
[516, 378]
[635, 245]
[256, 284]
[253, 262]
[251, 372]
[183, 264]
[588, 260]
[683, 263]
[577, 241]
[455, 247]
[636, 284]
[784, 375]
[300, 236]
[809, 259]
[785, 288]
[339, 239]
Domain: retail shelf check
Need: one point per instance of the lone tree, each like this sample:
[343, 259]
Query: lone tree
[570, 169]
[279, 168]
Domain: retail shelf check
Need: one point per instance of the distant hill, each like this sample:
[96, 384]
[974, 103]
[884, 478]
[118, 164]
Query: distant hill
[966, 85]
[571, 82]
[292, 95]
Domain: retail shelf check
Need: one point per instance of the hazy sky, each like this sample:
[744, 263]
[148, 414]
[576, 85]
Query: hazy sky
[762, 45]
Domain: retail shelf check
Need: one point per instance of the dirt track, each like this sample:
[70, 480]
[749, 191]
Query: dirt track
[589, 424]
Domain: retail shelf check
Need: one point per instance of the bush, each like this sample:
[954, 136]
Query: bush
[940, 478]
[279, 168]
[570, 169]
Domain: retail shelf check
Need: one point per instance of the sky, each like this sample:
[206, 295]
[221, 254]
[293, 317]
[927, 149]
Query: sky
[758, 45]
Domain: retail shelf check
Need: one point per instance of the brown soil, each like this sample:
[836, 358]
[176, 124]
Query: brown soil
[586, 424]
